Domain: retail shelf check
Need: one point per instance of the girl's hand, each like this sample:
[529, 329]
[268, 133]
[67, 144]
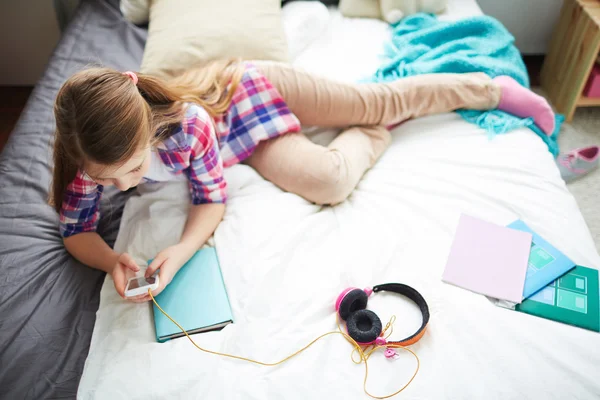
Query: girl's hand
[124, 269]
[168, 261]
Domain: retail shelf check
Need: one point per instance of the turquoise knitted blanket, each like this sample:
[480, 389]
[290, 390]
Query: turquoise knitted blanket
[422, 44]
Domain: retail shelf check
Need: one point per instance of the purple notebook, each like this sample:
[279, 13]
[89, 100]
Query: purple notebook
[488, 259]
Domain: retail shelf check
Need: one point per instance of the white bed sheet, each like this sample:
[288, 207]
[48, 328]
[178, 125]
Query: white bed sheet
[284, 262]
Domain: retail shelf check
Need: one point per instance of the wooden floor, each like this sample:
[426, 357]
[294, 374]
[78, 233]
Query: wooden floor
[13, 98]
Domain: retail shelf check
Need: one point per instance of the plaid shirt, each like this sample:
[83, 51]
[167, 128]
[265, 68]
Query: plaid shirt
[200, 148]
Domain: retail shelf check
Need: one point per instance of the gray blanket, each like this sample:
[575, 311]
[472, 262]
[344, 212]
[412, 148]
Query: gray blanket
[48, 301]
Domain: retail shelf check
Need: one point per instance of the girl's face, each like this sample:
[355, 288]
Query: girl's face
[124, 176]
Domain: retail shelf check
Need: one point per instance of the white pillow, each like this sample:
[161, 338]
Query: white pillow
[303, 22]
[183, 34]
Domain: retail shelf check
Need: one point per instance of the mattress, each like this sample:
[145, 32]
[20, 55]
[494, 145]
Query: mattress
[48, 302]
[285, 260]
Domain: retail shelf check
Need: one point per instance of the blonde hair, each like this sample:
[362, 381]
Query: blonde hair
[102, 116]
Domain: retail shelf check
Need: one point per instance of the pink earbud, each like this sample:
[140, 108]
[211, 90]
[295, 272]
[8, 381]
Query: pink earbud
[390, 353]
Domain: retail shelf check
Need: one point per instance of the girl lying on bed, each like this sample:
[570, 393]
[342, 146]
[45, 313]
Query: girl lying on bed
[121, 129]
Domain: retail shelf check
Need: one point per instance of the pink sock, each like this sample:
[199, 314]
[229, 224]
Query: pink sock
[522, 102]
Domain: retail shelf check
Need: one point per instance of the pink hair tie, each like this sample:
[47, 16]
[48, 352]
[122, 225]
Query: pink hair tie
[132, 75]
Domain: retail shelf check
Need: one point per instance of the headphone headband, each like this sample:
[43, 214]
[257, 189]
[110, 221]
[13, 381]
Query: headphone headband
[416, 297]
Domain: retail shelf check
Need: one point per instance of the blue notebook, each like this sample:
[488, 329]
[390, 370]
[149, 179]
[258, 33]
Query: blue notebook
[546, 262]
[196, 298]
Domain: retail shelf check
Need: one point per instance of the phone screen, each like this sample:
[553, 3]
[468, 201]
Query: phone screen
[141, 281]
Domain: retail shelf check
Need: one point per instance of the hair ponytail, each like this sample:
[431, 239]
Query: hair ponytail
[211, 86]
[65, 170]
[208, 85]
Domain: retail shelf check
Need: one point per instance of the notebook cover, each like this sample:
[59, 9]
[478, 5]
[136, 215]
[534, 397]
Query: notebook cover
[196, 297]
[546, 262]
[488, 259]
[572, 299]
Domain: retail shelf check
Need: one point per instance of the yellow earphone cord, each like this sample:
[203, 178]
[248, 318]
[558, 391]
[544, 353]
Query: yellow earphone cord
[363, 357]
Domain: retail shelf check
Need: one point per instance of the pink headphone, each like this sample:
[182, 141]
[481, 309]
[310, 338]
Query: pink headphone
[364, 325]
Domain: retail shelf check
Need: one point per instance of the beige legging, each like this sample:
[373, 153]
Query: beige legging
[327, 175]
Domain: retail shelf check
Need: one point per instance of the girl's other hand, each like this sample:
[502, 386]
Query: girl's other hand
[168, 262]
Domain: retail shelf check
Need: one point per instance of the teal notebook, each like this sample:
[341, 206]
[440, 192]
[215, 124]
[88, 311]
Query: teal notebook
[546, 262]
[573, 299]
[196, 298]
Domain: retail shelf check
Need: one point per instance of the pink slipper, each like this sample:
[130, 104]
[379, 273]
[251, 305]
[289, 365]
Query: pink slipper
[577, 163]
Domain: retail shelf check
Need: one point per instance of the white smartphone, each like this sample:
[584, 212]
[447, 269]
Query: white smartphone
[140, 285]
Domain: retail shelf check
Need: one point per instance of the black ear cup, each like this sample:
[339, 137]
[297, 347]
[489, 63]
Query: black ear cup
[364, 326]
[354, 300]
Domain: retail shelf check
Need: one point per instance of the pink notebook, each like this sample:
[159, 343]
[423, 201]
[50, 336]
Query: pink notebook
[488, 259]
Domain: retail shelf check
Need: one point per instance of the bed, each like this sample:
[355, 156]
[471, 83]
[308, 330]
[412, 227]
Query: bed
[66, 334]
